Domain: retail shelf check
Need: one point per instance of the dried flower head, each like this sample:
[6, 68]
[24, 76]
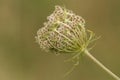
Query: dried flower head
[64, 32]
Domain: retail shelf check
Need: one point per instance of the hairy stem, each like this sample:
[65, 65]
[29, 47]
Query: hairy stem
[101, 65]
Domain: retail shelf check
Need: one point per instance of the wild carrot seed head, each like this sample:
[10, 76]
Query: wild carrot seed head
[64, 32]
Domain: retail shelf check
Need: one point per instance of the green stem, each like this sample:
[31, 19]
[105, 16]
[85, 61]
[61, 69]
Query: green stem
[101, 65]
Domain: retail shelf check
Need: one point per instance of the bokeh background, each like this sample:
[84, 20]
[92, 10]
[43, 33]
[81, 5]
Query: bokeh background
[21, 57]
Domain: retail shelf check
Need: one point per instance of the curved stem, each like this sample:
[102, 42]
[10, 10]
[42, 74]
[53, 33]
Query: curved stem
[101, 65]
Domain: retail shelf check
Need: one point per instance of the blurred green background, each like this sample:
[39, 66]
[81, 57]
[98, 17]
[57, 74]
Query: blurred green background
[22, 59]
